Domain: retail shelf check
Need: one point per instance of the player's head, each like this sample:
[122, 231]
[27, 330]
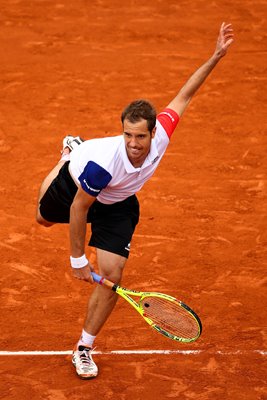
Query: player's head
[138, 121]
[138, 110]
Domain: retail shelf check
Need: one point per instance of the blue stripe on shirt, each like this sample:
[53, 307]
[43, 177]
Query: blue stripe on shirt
[94, 178]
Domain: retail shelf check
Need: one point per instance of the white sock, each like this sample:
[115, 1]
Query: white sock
[86, 338]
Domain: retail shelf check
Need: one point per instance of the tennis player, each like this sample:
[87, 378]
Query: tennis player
[96, 182]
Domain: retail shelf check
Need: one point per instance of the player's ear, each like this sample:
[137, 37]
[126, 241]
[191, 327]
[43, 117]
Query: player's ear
[153, 132]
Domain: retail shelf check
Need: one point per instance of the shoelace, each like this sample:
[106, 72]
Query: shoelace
[85, 356]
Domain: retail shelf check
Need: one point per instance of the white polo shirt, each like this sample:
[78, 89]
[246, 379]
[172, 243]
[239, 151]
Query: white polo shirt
[102, 168]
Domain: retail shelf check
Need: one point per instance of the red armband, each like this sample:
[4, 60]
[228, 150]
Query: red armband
[169, 120]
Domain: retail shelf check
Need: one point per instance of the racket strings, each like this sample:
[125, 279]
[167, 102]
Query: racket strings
[170, 316]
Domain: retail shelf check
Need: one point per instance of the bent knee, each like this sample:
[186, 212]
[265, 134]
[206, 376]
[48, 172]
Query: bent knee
[113, 269]
[41, 221]
[114, 276]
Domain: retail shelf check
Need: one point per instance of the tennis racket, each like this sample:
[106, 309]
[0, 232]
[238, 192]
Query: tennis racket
[167, 315]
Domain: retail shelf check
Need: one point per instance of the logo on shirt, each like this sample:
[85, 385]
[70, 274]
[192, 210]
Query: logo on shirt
[128, 247]
[90, 188]
[169, 115]
[155, 160]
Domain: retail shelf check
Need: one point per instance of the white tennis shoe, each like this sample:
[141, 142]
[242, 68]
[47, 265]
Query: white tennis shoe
[83, 362]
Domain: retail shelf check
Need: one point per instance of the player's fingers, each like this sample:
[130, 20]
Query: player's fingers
[228, 42]
[89, 279]
[228, 26]
[228, 32]
[83, 274]
[89, 270]
[229, 36]
[84, 277]
[76, 274]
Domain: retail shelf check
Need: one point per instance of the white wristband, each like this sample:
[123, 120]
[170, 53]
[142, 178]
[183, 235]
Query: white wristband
[79, 262]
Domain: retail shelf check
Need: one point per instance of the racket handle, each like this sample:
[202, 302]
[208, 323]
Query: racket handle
[97, 278]
[103, 281]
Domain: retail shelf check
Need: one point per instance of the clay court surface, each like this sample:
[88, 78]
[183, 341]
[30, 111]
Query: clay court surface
[71, 67]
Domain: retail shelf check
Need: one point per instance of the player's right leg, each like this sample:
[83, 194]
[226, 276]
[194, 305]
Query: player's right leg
[44, 186]
[69, 142]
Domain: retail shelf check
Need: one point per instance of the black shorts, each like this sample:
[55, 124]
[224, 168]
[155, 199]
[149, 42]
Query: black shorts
[112, 225]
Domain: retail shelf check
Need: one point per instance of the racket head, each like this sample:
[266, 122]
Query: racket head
[170, 317]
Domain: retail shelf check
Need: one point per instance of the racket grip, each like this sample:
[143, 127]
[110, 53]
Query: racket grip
[97, 278]
[103, 281]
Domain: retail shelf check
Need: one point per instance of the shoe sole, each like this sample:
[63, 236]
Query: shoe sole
[86, 378]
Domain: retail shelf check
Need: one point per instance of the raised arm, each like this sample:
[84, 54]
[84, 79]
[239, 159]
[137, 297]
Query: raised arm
[181, 101]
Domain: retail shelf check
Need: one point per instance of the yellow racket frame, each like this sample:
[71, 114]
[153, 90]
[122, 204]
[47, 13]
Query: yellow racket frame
[126, 293]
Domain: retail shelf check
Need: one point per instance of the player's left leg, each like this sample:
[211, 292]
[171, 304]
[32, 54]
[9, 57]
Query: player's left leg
[99, 309]
[103, 300]
[112, 229]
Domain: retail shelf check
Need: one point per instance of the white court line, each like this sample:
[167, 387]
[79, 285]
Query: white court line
[129, 352]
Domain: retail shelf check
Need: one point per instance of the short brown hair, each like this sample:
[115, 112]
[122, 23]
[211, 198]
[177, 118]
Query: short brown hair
[140, 109]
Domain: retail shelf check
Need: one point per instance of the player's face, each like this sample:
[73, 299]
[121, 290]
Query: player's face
[137, 141]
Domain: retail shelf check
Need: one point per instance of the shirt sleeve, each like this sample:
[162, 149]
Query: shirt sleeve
[94, 178]
[169, 120]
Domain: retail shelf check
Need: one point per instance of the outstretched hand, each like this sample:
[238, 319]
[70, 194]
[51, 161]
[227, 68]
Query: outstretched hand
[225, 39]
